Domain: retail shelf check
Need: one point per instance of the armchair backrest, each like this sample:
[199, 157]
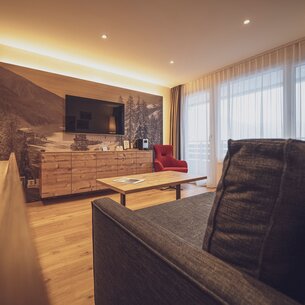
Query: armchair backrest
[164, 154]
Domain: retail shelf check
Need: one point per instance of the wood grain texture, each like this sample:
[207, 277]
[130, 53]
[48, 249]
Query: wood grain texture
[106, 166]
[62, 85]
[55, 174]
[65, 173]
[83, 172]
[151, 181]
[21, 281]
[63, 238]
[144, 162]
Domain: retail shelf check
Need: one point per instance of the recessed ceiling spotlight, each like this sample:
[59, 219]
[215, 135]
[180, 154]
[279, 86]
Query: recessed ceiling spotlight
[171, 62]
[247, 21]
[104, 36]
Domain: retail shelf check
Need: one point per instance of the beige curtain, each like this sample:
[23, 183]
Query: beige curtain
[175, 136]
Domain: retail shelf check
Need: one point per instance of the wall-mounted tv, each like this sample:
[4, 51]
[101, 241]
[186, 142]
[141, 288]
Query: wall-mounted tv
[85, 115]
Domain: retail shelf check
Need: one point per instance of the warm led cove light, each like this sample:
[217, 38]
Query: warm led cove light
[71, 59]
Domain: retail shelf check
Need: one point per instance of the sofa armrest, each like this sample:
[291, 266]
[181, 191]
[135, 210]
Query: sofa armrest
[158, 166]
[138, 262]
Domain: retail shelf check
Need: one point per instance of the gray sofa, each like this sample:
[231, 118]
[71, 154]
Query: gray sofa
[154, 256]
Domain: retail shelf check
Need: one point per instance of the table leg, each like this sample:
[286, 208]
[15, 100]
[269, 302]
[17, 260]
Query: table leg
[123, 199]
[178, 191]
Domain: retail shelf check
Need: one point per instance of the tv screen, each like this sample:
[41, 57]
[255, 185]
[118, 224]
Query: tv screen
[85, 115]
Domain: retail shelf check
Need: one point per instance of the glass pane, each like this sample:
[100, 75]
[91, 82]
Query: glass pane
[300, 102]
[197, 134]
[251, 107]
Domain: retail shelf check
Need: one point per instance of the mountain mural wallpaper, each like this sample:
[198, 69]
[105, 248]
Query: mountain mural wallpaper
[32, 120]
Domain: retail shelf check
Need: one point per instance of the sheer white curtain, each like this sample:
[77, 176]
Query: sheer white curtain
[251, 107]
[300, 102]
[197, 124]
[262, 97]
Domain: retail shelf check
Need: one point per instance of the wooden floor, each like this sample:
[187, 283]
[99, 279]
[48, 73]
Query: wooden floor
[62, 233]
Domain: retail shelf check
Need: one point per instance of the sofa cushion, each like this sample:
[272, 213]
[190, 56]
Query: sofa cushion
[257, 222]
[185, 217]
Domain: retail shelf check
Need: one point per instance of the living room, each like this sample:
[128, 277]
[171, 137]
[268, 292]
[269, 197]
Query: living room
[152, 153]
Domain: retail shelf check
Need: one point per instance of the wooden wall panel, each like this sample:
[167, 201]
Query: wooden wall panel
[62, 85]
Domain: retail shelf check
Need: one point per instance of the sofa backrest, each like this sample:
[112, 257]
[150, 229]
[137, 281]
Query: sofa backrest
[137, 262]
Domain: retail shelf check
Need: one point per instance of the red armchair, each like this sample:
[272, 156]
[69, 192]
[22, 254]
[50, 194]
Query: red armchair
[164, 160]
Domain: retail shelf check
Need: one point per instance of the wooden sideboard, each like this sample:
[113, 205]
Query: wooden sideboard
[65, 173]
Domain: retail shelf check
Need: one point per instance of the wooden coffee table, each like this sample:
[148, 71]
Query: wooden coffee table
[151, 181]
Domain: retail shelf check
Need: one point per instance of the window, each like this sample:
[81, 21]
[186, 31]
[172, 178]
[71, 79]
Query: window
[196, 120]
[251, 107]
[261, 97]
[300, 102]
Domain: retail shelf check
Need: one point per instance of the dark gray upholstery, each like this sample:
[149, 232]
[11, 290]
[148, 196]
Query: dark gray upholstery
[257, 223]
[137, 262]
[187, 217]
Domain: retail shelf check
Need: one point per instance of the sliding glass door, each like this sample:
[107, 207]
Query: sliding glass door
[195, 129]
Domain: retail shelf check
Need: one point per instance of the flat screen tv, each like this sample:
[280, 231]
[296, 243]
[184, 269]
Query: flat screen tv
[85, 115]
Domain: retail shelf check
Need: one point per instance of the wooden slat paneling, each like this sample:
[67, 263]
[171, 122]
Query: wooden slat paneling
[55, 174]
[83, 183]
[127, 167]
[21, 281]
[55, 185]
[62, 85]
[47, 157]
[106, 166]
[83, 172]
[127, 163]
[144, 162]
[127, 154]
[76, 172]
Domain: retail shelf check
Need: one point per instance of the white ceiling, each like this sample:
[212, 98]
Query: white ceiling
[199, 35]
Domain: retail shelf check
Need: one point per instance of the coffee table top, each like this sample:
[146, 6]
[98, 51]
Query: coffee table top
[151, 180]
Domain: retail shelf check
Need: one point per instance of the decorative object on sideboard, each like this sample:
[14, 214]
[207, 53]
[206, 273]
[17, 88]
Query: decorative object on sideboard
[119, 148]
[126, 144]
[80, 142]
[142, 144]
